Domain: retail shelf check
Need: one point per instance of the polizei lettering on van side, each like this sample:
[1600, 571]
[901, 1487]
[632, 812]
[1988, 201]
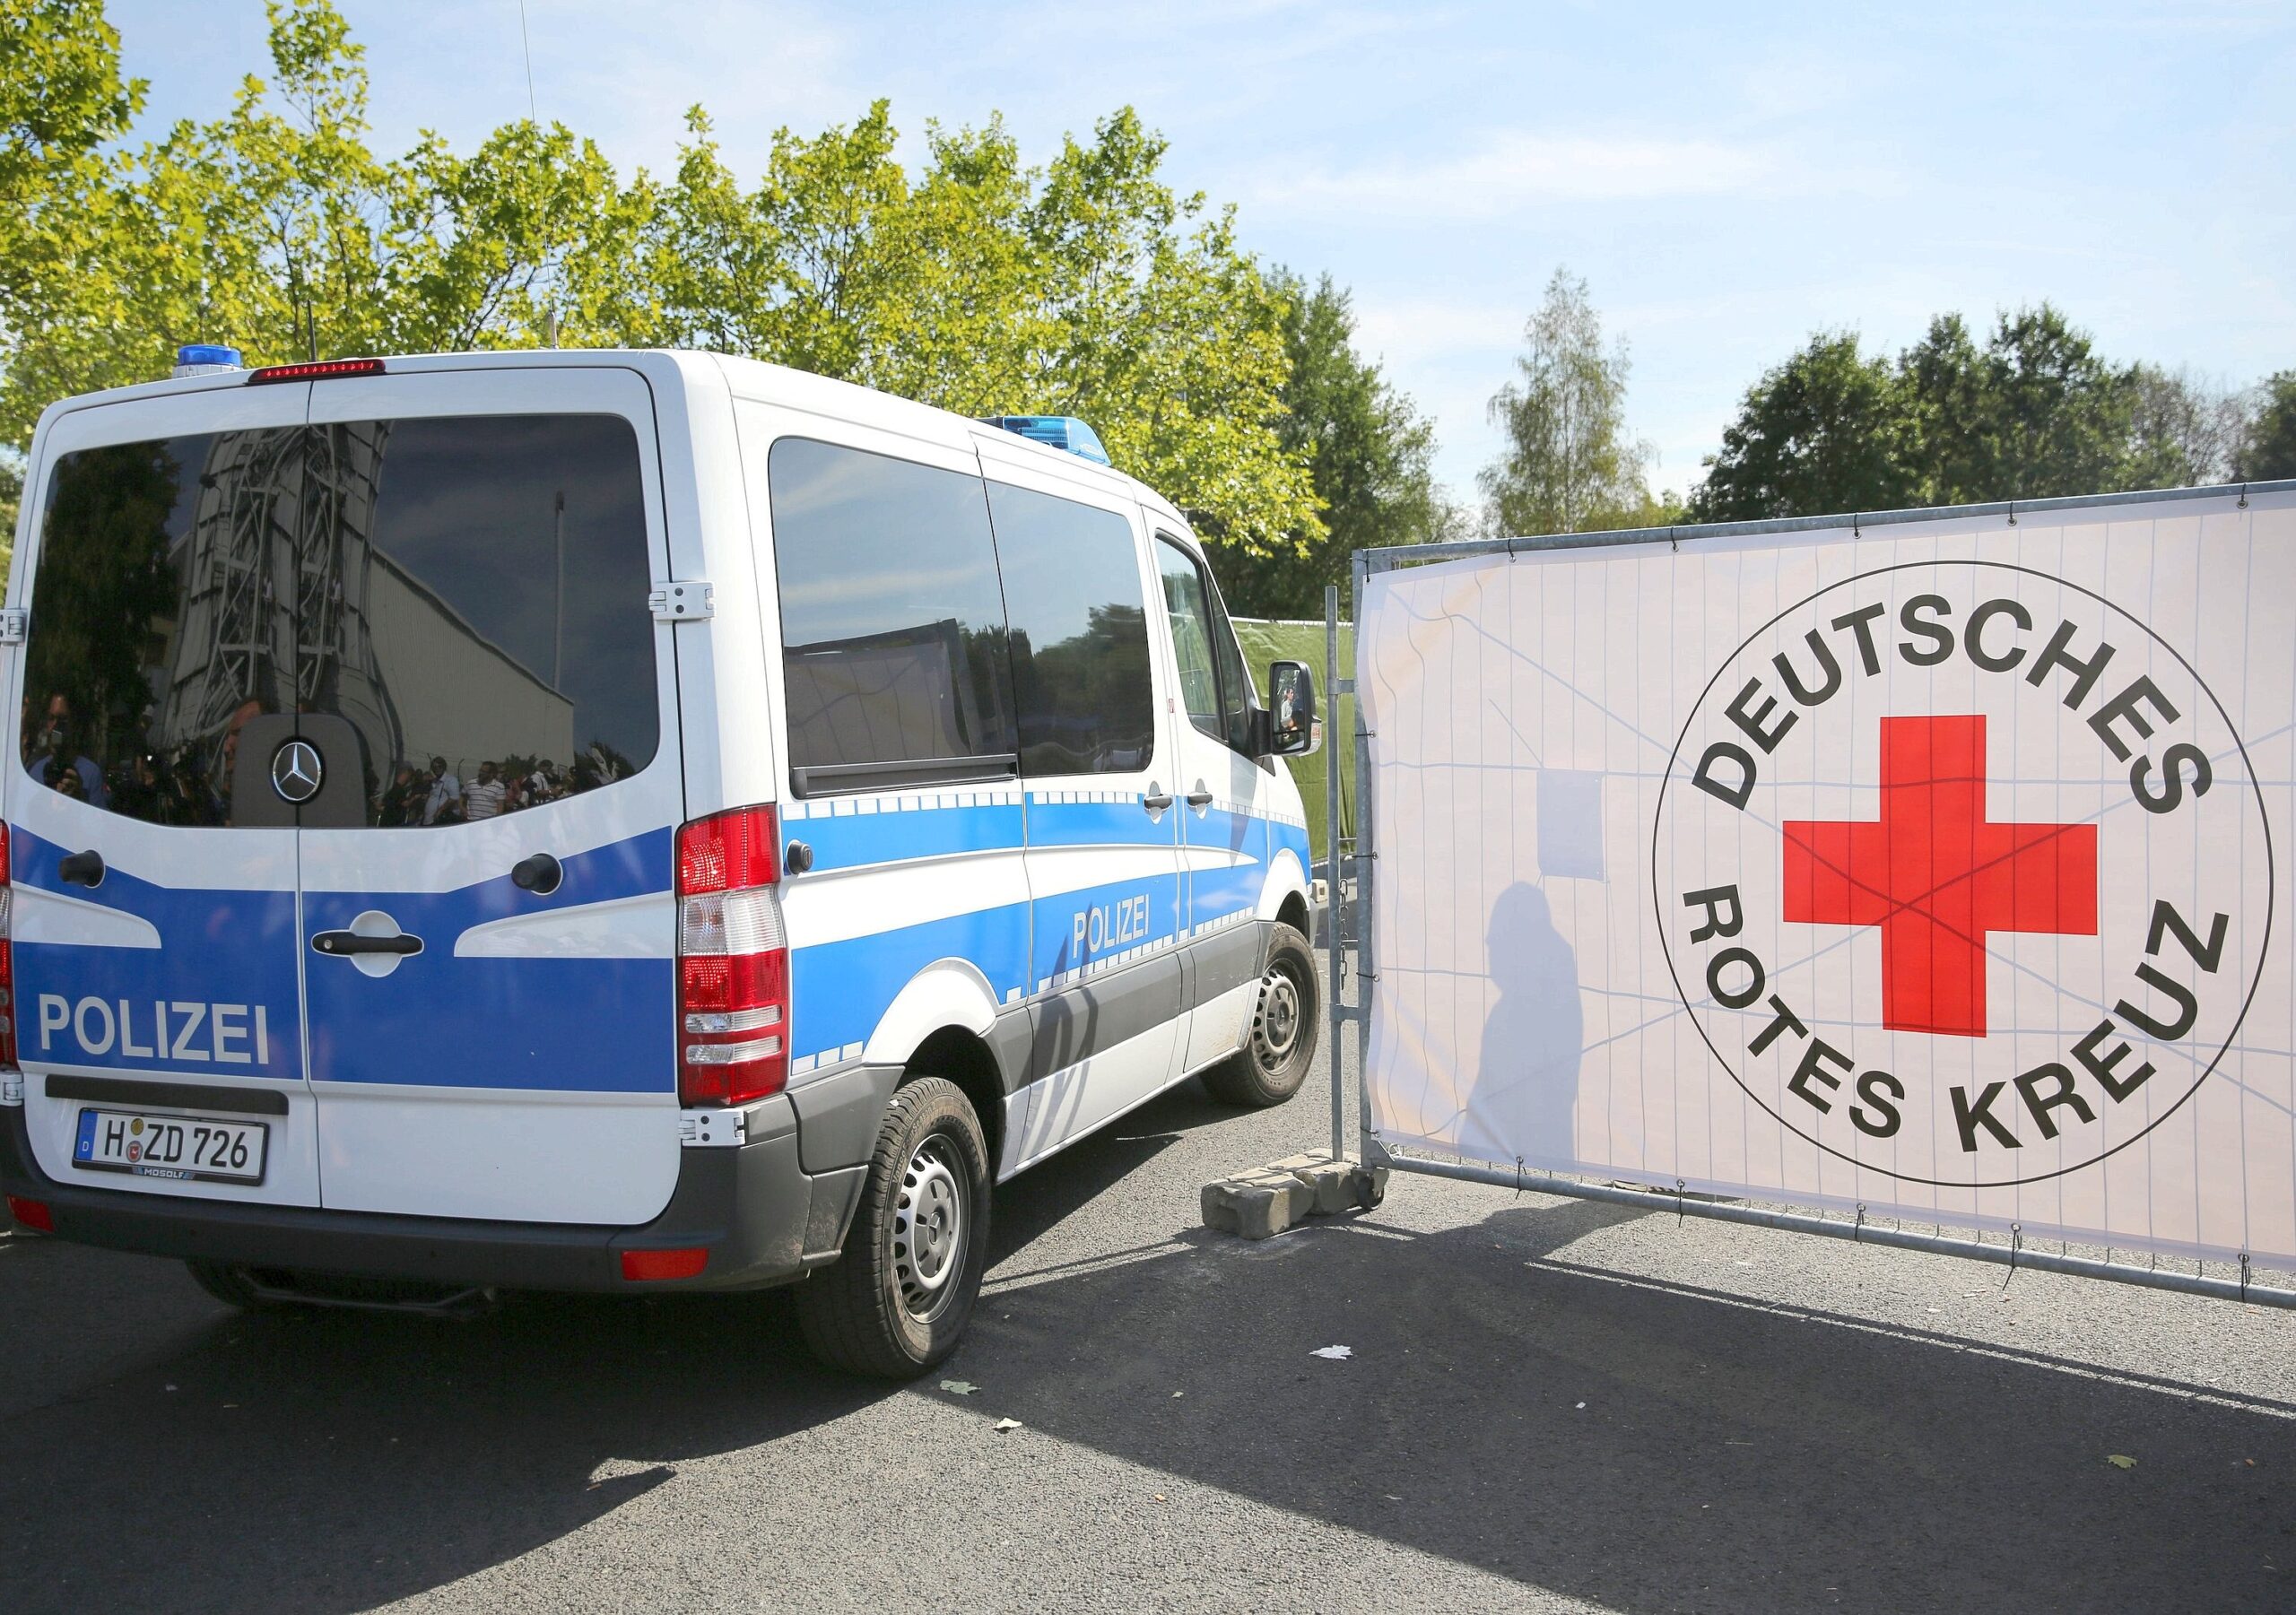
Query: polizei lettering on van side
[1106, 925]
[202, 1034]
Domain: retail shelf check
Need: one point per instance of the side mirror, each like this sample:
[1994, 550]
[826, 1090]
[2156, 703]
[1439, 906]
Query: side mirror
[1293, 729]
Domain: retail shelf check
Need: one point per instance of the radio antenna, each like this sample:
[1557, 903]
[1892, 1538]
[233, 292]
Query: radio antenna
[527, 40]
[534, 116]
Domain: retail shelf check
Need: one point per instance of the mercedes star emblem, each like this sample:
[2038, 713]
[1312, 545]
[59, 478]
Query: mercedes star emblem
[296, 772]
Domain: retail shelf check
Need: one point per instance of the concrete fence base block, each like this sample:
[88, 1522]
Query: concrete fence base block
[1261, 1204]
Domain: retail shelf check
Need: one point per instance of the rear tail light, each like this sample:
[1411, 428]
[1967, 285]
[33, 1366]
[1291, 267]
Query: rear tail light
[7, 963]
[732, 959]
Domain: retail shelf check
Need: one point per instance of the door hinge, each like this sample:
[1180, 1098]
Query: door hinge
[690, 600]
[13, 622]
[713, 1129]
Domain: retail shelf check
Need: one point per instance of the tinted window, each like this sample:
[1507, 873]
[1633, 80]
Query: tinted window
[1080, 634]
[1213, 686]
[464, 598]
[893, 624]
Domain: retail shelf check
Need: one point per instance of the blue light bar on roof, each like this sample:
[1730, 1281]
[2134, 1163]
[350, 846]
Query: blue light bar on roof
[198, 358]
[1055, 431]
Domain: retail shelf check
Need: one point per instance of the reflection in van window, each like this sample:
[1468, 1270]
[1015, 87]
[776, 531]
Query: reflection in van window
[468, 596]
[893, 624]
[1080, 634]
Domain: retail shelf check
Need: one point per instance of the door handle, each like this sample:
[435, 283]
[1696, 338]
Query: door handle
[1157, 799]
[346, 943]
[82, 869]
[1199, 798]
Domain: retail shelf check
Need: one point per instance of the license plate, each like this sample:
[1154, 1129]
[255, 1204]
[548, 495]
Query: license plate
[185, 1147]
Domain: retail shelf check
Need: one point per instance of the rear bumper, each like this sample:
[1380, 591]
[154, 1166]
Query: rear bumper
[763, 1218]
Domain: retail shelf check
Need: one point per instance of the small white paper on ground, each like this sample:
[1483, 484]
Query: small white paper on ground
[1337, 1353]
[959, 1387]
[1007, 1424]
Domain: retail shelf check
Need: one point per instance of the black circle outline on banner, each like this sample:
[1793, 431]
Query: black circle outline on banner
[2270, 876]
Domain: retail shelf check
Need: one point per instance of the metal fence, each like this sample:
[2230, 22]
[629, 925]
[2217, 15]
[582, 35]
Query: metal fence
[1353, 878]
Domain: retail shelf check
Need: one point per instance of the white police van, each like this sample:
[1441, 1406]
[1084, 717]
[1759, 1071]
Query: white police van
[615, 822]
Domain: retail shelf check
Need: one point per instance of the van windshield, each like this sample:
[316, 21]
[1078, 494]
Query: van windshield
[458, 602]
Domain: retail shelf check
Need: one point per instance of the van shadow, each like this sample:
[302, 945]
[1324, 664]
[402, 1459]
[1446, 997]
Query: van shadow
[335, 1460]
[1642, 1446]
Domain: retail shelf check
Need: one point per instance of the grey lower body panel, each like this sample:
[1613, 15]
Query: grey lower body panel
[1226, 960]
[763, 1218]
[1103, 1011]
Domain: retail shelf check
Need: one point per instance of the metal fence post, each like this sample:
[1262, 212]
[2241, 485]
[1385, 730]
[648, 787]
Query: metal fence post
[1366, 862]
[1334, 885]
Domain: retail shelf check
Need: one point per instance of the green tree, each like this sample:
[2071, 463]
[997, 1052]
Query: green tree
[1369, 451]
[1829, 429]
[2185, 431]
[61, 98]
[2268, 447]
[1086, 286]
[1569, 466]
[2033, 413]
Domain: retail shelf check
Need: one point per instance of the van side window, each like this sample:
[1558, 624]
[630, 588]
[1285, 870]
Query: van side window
[464, 596]
[1080, 634]
[1213, 686]
[892, 623]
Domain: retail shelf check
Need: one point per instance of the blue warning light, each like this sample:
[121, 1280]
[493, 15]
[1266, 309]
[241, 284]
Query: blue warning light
[199, 358]
[1055, 431]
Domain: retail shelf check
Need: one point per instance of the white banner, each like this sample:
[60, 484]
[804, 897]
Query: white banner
[1942, 868]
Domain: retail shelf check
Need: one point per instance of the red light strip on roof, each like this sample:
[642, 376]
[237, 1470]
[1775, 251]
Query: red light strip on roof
[324, 370]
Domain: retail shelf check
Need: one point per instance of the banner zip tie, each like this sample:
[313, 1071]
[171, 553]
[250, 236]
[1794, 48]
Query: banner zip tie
[1857, 1234]
[1678, 1203]
[2243, 505]
[1518, 1178]
[2016, 1242]
[2244, 1276]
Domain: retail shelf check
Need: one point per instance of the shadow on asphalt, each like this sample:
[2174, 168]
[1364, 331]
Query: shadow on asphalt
[1647, 1447]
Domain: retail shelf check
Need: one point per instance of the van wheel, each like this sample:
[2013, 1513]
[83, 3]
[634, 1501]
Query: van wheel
[895, 1302]
[1281, 1045]
[229, 1285]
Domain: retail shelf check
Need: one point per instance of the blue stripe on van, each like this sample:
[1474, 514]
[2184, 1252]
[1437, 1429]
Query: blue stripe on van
[846, 840]
[535, 1023]
[107, 1007]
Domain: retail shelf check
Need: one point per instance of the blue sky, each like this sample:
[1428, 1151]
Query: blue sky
[1728, 179]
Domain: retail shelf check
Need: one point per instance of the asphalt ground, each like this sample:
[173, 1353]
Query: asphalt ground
[1551, 1405]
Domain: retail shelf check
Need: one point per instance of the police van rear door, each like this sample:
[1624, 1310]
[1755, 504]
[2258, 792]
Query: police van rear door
[153, 864]
[488, 923]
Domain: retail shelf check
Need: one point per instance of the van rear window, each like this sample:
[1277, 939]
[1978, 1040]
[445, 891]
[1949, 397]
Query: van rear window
[465, 595]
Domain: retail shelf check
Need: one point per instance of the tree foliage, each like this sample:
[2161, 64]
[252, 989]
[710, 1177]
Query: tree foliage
[1569, 466]
[2268, 445]
[2031, 412]
[1827, 431]
[1369, 452]
[1085, 286]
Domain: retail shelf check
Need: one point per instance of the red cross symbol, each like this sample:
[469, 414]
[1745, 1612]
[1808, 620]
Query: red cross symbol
[1936, 876]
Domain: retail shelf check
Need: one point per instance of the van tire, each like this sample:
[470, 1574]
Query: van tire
[862, 1312]
[229, 1285]
[1280, 1044]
